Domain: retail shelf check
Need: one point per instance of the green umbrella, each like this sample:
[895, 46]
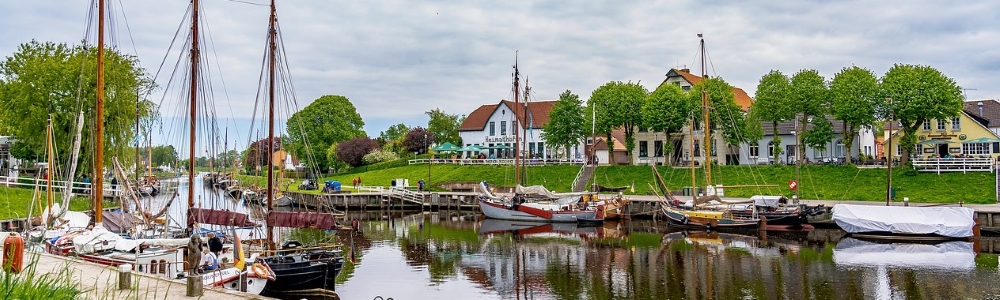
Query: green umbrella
[498, 146]
[981, 140]
[473, 148]
[447, 146]
[933, 142]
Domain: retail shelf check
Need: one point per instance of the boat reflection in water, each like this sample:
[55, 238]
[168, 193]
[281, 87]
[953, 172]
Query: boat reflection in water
[444, 255]
[878, 263]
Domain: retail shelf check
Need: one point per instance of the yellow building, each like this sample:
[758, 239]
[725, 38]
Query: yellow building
[966, 135]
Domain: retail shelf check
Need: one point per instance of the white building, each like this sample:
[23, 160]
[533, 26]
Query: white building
[8, 164]
[492, 127]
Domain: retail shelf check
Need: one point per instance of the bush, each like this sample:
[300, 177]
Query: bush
[379, 166]
[379, 155]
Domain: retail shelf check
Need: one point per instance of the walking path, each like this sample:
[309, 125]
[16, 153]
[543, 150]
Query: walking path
[994, 208]
[101, 282]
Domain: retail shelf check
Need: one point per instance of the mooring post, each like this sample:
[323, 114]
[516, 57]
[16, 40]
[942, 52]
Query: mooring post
[243, 281]
[125, 277]
[194, 286]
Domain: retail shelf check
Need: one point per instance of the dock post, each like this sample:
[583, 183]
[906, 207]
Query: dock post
[243, 282]
[125, 277]
[194, 286]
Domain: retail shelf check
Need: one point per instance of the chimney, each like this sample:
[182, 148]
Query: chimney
[980, 108]
[686, 70]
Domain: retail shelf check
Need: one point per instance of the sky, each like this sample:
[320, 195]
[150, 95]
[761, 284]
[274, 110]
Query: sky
[395, 60]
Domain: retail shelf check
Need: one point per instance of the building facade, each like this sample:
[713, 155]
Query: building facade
[492, 127]
[835, 151]
[966, 135]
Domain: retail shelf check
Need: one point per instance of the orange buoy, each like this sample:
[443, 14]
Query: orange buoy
[13, 253]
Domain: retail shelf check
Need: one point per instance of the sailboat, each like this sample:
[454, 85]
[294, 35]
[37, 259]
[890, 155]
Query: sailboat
[695, 214]
[554, 209]
[295, 266]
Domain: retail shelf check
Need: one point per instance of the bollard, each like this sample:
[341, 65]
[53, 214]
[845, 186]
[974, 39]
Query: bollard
[906, 201]
[125, 277]
[194, 286]
[243, 282]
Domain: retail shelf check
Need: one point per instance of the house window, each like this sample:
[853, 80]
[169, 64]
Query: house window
[541, 148]
[686, 88]
[643, 151]
[531, 149]
[493, 128]
[492, 152]
[770, 148]
[590, 141]
[956, 124]
[714, 148]
[840, 149]
[658, 148]
[899, 150]
[642, 129]
[697, 148]
[753, 150]
[976, 149]
[503, 127]
[927, 125]
[941, 124]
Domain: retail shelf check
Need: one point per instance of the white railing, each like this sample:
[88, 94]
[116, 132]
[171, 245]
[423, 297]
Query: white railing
[953, 165]
[494, 162]
[79, 188]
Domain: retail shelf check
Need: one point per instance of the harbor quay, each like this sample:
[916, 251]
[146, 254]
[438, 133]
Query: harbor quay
[101, 282]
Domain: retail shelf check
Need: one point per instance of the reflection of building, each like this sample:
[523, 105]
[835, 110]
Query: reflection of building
[492, 127]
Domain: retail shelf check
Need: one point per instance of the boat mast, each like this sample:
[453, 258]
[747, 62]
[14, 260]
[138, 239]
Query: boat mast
[51, 150]
[194, 104]
[98, 173]
[888, 156]
[272, 46]
[708, 127]
[68, 190]
[517, 136]
[137, 155]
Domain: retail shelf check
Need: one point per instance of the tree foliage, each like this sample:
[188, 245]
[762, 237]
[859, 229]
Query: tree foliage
[773, 103]
[256, 156]
[164, 155]
[919, 93]
[667, 110]
[48, 78]
[444, 126]
[418, 140]
[619, 105]
[354, 150]
[566, 122]
[393, 137]
[819, 135]
[324, 122]
[854, 94]
[809, 99]
[725, 114]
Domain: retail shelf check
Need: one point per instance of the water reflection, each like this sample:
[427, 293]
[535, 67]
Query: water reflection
[461, 257]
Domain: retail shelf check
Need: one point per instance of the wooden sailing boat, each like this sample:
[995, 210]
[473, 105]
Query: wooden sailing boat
[696, 215]
[519, 208]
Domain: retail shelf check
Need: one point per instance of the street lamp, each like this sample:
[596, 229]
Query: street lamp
[430, 161]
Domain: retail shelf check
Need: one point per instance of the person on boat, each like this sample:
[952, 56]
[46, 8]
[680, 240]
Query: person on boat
[209, 262]
[214, 243]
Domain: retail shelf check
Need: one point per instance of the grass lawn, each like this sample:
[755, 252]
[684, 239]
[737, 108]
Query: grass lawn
[15, 203]
[816, 182]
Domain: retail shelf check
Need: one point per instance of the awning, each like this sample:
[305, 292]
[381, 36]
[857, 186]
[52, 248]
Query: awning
[447, 146]
[933, 142]
[981, 140]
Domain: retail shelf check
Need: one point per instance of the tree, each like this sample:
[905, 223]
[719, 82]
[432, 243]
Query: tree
[773, 104]
[393, 136]
[566, 122]
[43, 79]
[919, 93]
[164, 155]
[667, 109]
[819, 135]
[226, 159]
[354, 150]
[619, 105]
[725, 114]
[255, 157]
[331, 156]
[418, 140]
[444, 126]
[324, 122]
[854, 93]
[809, 99]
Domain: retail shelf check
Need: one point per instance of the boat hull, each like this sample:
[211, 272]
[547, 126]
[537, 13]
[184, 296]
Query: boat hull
[293, 273]
[527, 213]
[685, 218]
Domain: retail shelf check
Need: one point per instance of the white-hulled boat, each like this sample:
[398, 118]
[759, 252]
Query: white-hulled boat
[931, 222]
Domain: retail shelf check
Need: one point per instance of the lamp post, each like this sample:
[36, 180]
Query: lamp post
[429, 162]
[888, 156]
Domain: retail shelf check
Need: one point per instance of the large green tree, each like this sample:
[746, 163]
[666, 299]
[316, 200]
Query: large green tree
[810, 101]
[619, 105]
[773, 104]
[444, 127]
[919, 93]
[854, 93]
[667, 110]
[164, 155]
[58, 80]
[393, 137]
[566, 122]
[324, 122]
[725, 114]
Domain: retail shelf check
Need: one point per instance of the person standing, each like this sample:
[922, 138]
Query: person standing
[420, 185]
[214, 244]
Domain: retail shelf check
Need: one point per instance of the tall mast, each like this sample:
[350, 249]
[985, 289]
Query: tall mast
[51, 151]
[272, 46]
[137, 155]
[708, 127]
[194, 102]
[517, 136]
[888, 156]
[98, 174]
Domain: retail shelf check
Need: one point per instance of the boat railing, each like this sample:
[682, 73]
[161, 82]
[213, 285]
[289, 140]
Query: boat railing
[950, 164]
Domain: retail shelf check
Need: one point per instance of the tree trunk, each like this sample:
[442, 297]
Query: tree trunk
[611, 149]
[776, 141]
[848, 133]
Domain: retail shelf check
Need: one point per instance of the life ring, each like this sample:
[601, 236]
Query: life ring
[262, 271]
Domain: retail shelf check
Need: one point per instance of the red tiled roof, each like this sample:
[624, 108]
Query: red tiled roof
[990, 110]
[538, 110]
[741, 96]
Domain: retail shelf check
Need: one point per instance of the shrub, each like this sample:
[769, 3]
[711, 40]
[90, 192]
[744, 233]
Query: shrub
[379, 155]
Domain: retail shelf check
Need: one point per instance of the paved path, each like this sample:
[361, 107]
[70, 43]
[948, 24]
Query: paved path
[978, 207]
[101, 282]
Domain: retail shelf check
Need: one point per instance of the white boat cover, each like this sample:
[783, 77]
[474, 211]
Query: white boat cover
[486, 191]
[541, 191]
[946, 221]
[956, 255]
[769, 201]
[100, 239]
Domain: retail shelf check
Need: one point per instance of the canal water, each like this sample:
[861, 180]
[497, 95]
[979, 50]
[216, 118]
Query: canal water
[453, 256]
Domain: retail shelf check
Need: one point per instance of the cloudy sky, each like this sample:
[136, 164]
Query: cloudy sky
[397, 59]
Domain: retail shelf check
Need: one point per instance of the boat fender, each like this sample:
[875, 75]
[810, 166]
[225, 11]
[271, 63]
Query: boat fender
[685, 220]
[261, 270]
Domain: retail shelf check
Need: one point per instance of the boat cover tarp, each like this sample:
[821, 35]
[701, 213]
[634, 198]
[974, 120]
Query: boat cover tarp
[769, 201]
[541, 191]
[100, 239]
[301, 219]
[485, 189]
[116, 221]
[218, 217]
[945, 221]
[957, 255]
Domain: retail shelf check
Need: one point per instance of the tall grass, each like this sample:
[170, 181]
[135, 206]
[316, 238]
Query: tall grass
[30, 284]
